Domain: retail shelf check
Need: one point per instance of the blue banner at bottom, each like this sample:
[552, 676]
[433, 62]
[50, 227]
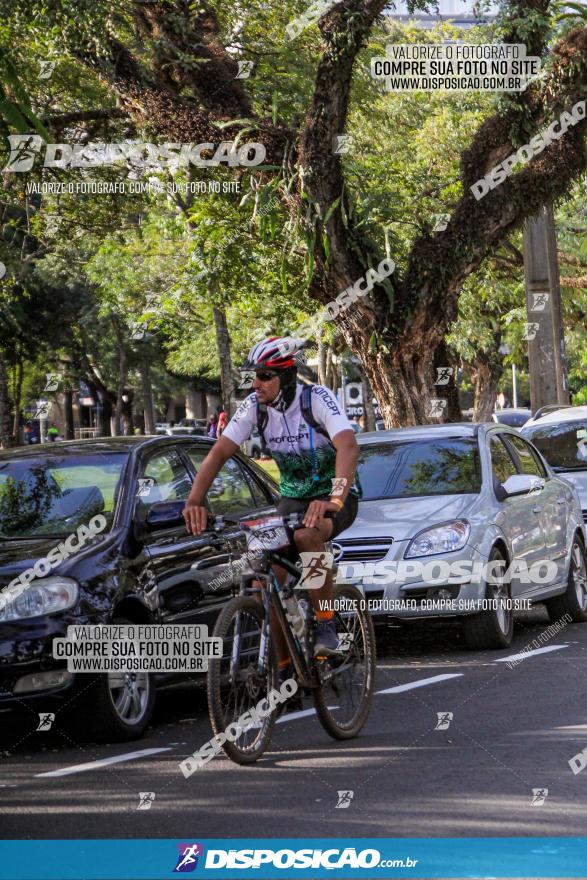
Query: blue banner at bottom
[288, 858]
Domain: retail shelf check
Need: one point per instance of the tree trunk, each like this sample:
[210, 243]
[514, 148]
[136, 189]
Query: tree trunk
[368, 407]
[127, 421]
[322, 377]
[104, 414]
[445, 381]
[225, 357]
[68, 412]
[17, 399]
[403, 382]
[5, 434]
[410, 323]
[147, 391]
[122, 376]
[331, 373]
[486, 381]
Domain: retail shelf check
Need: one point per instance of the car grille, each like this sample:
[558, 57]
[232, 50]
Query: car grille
[364, 549]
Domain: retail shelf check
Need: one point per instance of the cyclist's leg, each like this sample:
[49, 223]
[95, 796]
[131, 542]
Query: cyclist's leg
[279, 642]
[277, 636]
[312, 541]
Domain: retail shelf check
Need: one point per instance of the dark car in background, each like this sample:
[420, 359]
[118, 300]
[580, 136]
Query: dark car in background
[515, 417]
[188, 426]
[143, 566]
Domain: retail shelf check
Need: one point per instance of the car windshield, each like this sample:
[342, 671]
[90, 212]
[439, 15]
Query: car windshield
[563, 444]
[54, 494]
[410, 469]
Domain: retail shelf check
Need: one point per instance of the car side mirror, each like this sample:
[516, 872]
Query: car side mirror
[164, 515]
[521, 484]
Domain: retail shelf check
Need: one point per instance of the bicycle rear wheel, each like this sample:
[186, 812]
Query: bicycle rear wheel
[344, 700]
[235, 683]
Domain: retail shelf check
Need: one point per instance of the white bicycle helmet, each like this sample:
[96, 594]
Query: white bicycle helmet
[275, 353]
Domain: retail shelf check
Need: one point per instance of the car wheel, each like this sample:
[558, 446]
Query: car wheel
[494, 626]
[574, 600]
[118, 706]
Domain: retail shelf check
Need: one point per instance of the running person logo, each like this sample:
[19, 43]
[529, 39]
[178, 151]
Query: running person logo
[345, 641]
[145, 486]
[52, 383]
[443, 375]
[244, 69]
[344, 800]
[146, 799]
[46, 720]
[189, 854]
[539, 301]
[23, 150]
[315, 567]
[444, 719]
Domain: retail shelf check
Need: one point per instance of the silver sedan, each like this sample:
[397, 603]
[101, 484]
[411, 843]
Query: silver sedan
[464, 520]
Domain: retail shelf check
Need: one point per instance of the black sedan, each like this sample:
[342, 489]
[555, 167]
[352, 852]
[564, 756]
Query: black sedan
[142, 566]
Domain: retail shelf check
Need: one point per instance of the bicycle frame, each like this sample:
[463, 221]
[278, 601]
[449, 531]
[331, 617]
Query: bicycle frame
[271, 599]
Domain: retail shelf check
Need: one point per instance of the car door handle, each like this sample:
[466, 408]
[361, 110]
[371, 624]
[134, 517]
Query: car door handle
[536, 509]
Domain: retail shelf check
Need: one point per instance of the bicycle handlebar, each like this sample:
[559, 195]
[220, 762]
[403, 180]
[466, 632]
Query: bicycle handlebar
[294, 521]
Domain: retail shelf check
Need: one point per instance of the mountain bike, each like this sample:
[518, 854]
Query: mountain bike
[244, 678]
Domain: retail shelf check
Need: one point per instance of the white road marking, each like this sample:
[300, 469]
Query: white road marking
[526, 654]
[304, 713]
[421, 682]
[293, 716]
[103, 762]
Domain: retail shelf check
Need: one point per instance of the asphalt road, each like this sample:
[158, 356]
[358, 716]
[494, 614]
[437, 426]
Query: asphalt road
[512, 731]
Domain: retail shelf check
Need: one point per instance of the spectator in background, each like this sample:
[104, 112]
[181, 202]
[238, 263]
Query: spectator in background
[221, 422]
[28, 433]
[213, 426]
[53, 433]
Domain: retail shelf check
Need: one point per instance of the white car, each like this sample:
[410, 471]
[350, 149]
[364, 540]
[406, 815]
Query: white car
[561, 437]
[252, 446]
[477, 499]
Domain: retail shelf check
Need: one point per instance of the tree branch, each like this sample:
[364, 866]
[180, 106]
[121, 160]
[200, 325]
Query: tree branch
[477, 227]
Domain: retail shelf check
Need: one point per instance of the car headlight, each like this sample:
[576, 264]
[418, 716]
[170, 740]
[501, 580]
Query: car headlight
[444, 538]
[43, 596]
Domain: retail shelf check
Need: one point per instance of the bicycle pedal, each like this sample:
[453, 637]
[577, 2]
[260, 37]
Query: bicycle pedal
[293, 704]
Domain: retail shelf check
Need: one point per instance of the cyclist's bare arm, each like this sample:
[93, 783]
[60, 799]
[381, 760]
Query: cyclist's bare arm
[347, 455]
[195, 512]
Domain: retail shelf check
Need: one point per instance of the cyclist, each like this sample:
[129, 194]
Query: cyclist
[315, 449]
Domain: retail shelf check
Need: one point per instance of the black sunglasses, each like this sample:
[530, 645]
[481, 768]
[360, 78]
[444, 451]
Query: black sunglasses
[265, 375]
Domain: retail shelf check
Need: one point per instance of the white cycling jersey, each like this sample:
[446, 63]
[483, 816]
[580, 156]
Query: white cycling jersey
[306, 470]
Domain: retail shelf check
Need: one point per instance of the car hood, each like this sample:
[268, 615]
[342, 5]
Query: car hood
[16, 556]
[402, 518]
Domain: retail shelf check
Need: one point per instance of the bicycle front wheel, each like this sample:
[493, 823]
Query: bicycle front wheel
[237, 684]
[344, 700]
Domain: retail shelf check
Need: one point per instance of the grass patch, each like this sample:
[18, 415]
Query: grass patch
[271, 468]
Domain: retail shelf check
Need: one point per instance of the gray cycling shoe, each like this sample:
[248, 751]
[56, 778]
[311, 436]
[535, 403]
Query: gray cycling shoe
[326, 639]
